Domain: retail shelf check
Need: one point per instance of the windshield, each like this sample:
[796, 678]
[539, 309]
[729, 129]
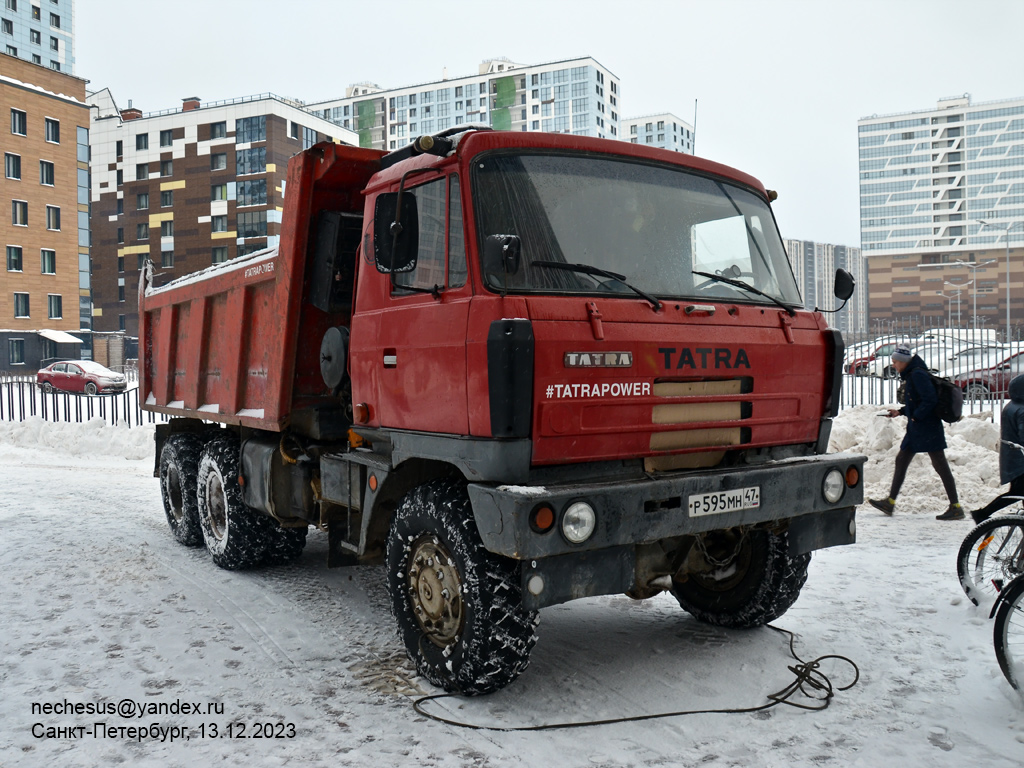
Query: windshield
[653, 225]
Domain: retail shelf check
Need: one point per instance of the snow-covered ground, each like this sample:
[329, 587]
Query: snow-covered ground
[99, 604]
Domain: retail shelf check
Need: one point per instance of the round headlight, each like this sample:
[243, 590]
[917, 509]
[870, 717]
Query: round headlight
[578, 522]
[832, 488]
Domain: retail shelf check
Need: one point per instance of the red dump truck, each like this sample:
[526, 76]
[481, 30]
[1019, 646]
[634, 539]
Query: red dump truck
[517, 369]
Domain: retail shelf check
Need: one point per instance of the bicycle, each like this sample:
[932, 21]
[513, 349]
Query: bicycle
[992, 554]
[1008, 632]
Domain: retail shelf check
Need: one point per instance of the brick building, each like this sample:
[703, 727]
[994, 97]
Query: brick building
[187, 188]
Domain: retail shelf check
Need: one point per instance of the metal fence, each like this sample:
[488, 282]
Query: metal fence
[20, 398]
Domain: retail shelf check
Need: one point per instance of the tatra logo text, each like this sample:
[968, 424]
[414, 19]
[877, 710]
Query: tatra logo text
[598, 359]
[704, 357]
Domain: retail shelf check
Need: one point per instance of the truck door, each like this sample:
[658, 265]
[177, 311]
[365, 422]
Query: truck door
[422, 339]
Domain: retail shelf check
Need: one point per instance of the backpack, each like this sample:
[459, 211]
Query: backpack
[950, 407]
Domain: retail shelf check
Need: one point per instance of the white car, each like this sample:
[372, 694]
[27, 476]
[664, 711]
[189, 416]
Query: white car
[936, 356]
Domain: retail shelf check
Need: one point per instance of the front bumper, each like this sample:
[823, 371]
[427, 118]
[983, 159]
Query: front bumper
[652, 508]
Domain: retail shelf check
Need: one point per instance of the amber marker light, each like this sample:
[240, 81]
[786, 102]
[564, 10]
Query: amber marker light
[373, 483]
[360, 413]
[542, 519]
[852, 476]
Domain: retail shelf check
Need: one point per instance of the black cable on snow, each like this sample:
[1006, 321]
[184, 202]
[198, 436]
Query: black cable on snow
[809, 681]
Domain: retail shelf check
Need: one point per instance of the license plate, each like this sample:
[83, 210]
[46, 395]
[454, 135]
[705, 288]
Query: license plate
[725, 501]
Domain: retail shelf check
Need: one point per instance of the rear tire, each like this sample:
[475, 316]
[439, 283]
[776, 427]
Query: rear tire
[179, 469]
[459, 608]
[236, 536]
[746, 579]
[1008, 633]
[991, 555]
[47, 387]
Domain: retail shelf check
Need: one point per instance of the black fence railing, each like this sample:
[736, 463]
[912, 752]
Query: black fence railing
[20, 398]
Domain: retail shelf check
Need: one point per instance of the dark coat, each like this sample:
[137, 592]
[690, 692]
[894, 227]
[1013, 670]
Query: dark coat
[924, 427]
[1011, 460]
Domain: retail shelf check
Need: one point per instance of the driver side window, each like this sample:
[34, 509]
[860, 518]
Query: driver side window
[441, 255]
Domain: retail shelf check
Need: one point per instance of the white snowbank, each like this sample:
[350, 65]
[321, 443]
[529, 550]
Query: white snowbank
[91, 438]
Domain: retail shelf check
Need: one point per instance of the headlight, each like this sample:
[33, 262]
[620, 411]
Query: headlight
[578, 522]
[832, 488]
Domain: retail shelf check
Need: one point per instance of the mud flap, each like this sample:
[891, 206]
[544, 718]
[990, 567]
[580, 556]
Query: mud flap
[832, 528]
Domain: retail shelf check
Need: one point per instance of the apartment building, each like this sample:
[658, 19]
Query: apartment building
[187, 187]
[577, 96]
[814, 266]
[665, 131]
[44, 288]
[39, 31]
[942, 210]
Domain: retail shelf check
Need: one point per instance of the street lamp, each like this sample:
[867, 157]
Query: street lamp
[958, 286]
[974, 267]
[1007, 228]
[949, 321]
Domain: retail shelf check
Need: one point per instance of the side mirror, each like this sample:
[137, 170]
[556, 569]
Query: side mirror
[844, 285]
[502, 254]
[396, 234]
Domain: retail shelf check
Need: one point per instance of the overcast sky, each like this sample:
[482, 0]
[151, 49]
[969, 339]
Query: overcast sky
[779, 84]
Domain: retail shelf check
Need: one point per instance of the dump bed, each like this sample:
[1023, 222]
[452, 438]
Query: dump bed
[239, 342]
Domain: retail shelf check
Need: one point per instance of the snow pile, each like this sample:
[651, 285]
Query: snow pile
[972, 454]
[94, 437]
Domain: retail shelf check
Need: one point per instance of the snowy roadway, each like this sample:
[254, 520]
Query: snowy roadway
[99, 604]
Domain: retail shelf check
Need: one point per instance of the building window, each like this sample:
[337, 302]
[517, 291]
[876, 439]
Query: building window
[252, 160]
[120, 291]
[166, 138]
[120, 206]
[120, 236]
[167, 229]
[14, 258]
[166, 258]
[121, 323]
[35, 37]
[37, 59]
[46, 173]
[166, 167]
[55, 20]
[249, 129]
[19, 122]
[142, 258]
[219, 255]
[252, 192]
[8, 26]
[12, 165]
[142, 141]
[52, 128]
[54, 44]
[142, 231]
[252, 224]
[48, 262]
[308, 138]
[120, 178]
[55, 65]
[54, 306]
[167, 198]
[120, 263]
[142, 201]
[218, 130]
[219, 223]
[219, 192]
[53, 217]
[16, 351]
[119, 149]
[218, 161]
[142, 171]
[19, 213]
[21, 305]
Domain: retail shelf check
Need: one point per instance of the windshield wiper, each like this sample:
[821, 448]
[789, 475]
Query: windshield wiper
[745, 286]
[587, 269]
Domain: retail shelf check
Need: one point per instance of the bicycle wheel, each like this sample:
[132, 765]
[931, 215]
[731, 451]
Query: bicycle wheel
[991, 555]
[1008, 632]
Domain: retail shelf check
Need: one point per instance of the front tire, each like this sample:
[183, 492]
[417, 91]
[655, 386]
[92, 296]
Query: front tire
[459, 608]
[991, 555]
[1008, 633]
[179, 469]
[236, 536]
[741, 579]
[90, 388]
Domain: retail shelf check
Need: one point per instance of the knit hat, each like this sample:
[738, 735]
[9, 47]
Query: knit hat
[902, 354]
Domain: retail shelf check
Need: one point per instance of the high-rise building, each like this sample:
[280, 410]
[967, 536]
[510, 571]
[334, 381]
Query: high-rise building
[814, 266]
[187, 188]
[44, 289]
[577, 96]
[40, 32]
[665, 131]
[944, 186]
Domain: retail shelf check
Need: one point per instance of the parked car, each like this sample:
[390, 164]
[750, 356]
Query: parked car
[881, 350]
[936, 356]
[993, 381]
[80, 376]
[974, 358]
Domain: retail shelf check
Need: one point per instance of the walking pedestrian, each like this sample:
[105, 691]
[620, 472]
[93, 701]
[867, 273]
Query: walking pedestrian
[1011, 459]
[924, 433]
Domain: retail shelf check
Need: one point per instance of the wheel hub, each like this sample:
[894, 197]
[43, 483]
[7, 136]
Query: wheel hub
[174, 495]
[435, 591]
[216, 507]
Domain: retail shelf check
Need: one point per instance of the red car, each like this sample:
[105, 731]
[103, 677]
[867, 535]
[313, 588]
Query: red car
[995, 380]
[80, 376]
